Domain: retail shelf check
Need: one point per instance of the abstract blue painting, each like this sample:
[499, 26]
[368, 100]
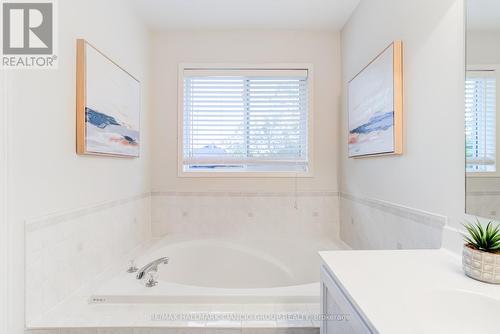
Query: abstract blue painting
[372, 108]
[111, 109]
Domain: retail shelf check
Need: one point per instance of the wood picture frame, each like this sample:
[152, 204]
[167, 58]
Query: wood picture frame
[108, 105]
[375, 106]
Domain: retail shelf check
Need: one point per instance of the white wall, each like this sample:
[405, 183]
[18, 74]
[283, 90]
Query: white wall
[429, 176]
[483, 47]
[4, 237]
[47, 177]
[172, 48]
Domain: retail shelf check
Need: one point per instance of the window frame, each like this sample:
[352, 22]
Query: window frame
[496, 68]
[264, 174]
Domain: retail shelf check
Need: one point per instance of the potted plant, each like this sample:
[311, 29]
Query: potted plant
[481, 253]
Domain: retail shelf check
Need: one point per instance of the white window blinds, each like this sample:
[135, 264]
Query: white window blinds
[245, 120]
[480, 121]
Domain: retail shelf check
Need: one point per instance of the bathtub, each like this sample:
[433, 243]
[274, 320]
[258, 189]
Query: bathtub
[218, 270]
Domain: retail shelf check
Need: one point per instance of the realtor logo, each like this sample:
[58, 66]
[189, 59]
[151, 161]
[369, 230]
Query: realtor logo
[28, 34]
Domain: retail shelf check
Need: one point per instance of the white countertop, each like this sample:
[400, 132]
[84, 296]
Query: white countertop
[416, 291]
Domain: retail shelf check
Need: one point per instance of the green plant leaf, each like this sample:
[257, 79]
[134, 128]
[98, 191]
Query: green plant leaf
[485, 238]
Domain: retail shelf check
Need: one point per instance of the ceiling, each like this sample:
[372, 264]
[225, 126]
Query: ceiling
[245, 14]
[483, 15]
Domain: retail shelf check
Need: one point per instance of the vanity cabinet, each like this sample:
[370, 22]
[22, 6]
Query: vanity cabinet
[341, 317]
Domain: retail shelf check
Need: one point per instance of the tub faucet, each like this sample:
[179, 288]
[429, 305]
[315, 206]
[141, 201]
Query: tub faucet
[149, 268]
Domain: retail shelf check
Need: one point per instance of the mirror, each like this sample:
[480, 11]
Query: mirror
[482, 93]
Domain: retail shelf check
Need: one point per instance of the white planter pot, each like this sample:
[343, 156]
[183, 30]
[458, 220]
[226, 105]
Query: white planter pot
[481, 265]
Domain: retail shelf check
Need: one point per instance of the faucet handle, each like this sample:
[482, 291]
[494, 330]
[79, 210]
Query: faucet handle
[132, 267]
[152, 275]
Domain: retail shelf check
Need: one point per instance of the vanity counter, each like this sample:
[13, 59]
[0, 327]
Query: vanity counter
[413, 291]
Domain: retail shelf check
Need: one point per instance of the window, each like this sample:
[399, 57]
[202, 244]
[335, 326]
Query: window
[245, 120]
[480, 121]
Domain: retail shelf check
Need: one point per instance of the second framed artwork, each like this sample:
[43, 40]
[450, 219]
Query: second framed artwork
[108, 102]
[375, 106]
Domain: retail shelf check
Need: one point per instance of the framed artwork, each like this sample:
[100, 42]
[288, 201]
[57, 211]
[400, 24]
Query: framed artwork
[375, 106]
[108, 102]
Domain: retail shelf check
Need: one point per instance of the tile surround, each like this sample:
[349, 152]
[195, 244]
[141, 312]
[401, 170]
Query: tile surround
[176, 331]
[453, 239]
[65, 250]
[483, 203]
[374, 224]
[253, 214]
[134, 312]
[65, 242]
[482, 196]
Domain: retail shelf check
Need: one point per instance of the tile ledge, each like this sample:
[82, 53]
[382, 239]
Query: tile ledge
[418, 216]
[245, 194]
[35, 223]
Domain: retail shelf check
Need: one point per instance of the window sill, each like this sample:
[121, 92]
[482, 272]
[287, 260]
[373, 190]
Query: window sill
[212, 174]
[482, 174]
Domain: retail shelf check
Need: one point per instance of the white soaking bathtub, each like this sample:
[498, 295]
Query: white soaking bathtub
[229, 271]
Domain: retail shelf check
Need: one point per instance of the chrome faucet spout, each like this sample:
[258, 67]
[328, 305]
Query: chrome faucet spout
[151, 266]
